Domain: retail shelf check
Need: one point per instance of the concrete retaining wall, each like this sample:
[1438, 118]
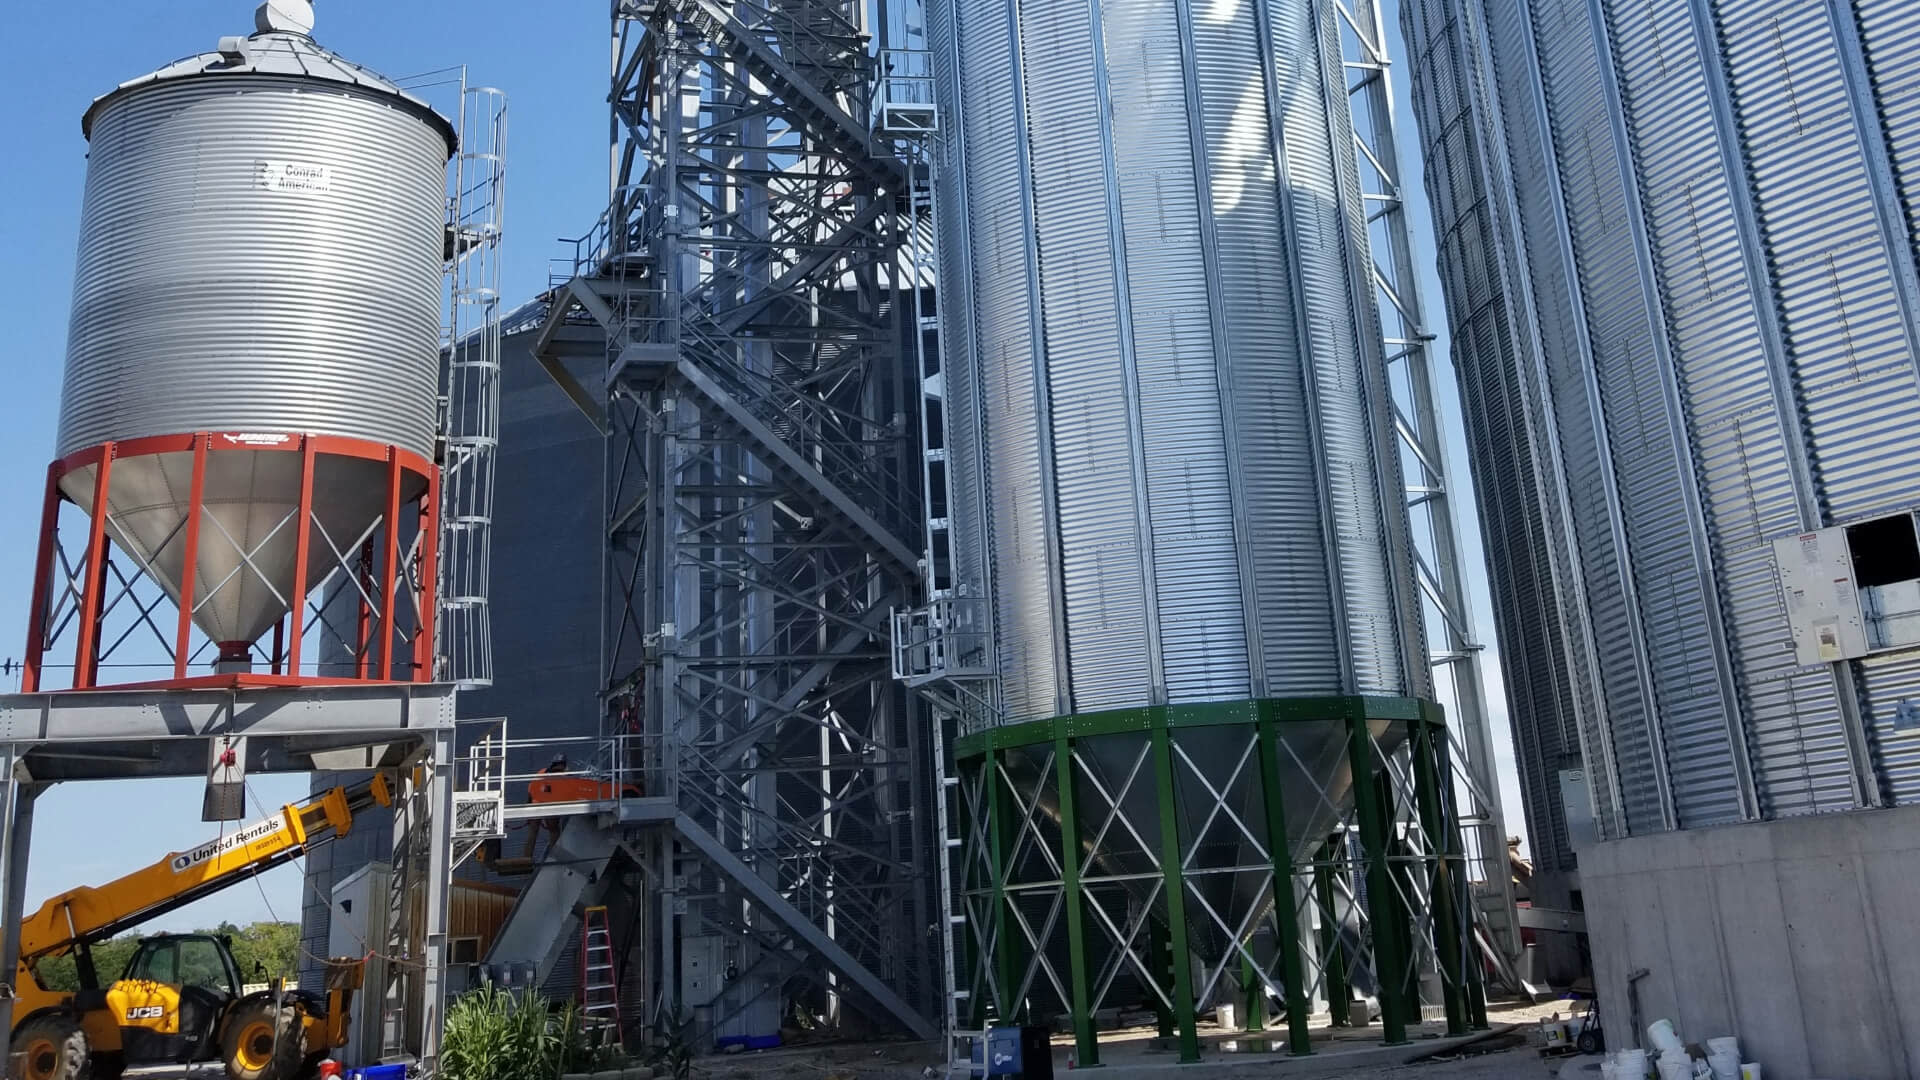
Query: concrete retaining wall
[1802, 936]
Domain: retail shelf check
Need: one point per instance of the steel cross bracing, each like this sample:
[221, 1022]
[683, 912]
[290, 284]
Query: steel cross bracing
[1164, 864]
[762, 504]
[1453, 649]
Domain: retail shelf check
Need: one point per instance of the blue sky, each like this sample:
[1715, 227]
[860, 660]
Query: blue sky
[549, 56]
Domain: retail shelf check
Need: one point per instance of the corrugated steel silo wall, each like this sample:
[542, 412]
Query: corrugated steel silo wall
[1730, 364]
[1175, 381]
[190, 313]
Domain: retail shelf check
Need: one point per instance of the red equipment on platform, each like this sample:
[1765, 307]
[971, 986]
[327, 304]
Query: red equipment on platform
[201, 521]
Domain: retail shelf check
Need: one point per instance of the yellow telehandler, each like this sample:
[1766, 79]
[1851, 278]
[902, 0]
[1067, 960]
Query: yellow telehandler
[181, 998]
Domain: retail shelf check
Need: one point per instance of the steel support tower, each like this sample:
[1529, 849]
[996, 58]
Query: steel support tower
[1453, 645]
[751, 373]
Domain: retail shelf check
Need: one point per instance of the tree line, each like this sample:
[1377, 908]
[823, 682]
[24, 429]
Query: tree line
[263, 951]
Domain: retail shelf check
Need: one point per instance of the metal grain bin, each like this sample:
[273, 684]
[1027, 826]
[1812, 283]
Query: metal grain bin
[260, 255]
[1679, 249]
[1174, 456]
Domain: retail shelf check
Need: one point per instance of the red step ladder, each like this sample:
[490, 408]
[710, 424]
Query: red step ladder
[599, 982]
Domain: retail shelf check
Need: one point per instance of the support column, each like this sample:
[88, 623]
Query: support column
[1333, 954]
[1443, 839]
[1160, 963]
[437, 829]
[16, 839]
[1176, 894]
[1389, 963]
[1001, 842]
[1086, 1043]
[1286, 912]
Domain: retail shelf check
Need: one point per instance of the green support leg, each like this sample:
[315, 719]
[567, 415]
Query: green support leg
[1086, 1043]
[1333, 954]
[1476, 966]
[1401, 869]
[1176, 895]
[1286, 913]
[970, 958]
[1389, 962]
[1444, 839]
[1006, 967]
[1160, 962]
[1253, 997]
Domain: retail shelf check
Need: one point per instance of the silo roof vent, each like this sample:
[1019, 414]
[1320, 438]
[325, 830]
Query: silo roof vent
[284, 17]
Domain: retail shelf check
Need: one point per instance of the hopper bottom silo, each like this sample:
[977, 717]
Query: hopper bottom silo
[1127, 862]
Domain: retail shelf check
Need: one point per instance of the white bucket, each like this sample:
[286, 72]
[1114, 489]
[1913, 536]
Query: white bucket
[1661, 1034]
[1676, 1068]
[1750, 1070]
[1725, 1044]
[1725, 1066]
[1633, 1065]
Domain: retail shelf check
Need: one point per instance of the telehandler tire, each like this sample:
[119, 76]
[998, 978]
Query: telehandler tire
[54, 1048]
[262, 1042]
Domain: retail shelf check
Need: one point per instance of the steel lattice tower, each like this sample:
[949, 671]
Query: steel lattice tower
[762, 507]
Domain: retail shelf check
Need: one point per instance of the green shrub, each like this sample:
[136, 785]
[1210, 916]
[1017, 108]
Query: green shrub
[494, 1034]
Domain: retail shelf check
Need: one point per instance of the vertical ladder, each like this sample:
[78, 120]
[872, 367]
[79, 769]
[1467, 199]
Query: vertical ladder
[599, 983]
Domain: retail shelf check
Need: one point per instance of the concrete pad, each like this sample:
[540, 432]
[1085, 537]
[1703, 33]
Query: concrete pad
[1763, 990]
[1801, 936]
[1893, 896]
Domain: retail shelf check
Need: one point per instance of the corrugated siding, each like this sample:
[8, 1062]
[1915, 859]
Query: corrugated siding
[1709, 319]
[1616, 323]
[1823, 287]
[1321, 238]
[188, 313]
[1196, 569]
[1101, 551]
[1278, 477]
[1563, 414]
[1843, 334]
[967, 518]
[1006, 354]
[1890, 34]
[1514, 475]
[1135, 139]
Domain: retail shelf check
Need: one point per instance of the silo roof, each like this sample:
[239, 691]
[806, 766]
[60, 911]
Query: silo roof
[275, 54]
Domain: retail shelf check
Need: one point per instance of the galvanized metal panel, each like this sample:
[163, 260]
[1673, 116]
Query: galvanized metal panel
[988, 106]
[1783, 174]
[209, 295]
[1890, 34]
[1279, 483]
[1102, 554]
[1146, 125]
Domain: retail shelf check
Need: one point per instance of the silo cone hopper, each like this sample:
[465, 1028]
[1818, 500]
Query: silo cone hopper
[266, 521]
[1208, 856]
[254, 529]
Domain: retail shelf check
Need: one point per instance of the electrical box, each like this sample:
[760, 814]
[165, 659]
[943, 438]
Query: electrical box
[1852, 590]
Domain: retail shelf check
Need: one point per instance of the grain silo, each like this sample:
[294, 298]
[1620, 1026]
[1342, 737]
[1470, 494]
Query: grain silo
[252, 369]
[1679, 249]
[1177, 504]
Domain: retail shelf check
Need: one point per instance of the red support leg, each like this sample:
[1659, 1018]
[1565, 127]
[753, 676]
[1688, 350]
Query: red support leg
[366, 611]
[85, 662]
[279, 645]
[304, 527]
[389, 571]
[189, 568]
[42, 583]
[423, 655]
